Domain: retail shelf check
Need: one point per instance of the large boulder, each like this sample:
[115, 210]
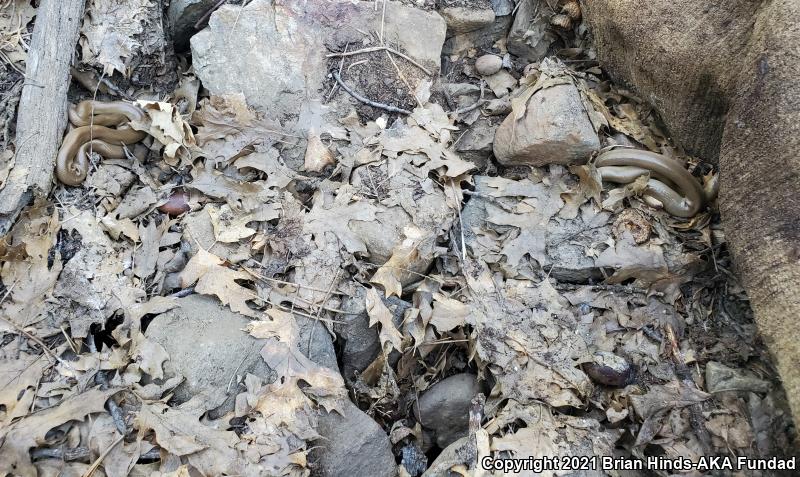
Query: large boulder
[555, 129]
[275, 51]
[724, 78]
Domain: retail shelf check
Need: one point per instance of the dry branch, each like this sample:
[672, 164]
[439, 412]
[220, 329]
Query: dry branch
[42, 115]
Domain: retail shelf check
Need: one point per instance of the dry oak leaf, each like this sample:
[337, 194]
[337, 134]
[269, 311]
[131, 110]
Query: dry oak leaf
[228, 128]
[169, 128]
[211, 277]
[379, 313]
[31, 279]
[180, 432]
[18, 438]
[109, 32]
[282, 353]
[336, 219]
[231, 226]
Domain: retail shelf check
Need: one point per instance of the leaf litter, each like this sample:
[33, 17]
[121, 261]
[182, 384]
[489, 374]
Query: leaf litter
[519, 276]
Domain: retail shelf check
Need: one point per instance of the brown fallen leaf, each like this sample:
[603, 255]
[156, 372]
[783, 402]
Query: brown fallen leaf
[380, 313]
[227, 128]
[210, 276]
[32, 278]
[283, 355]
[18, 438]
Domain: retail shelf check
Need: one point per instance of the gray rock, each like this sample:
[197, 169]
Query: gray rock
[277, 54]
[444, 408]
[503, 7]
[567, 241]
[476, 143]
[182, 16]
[530, 35]
[554, 130]
[462, 17]
[488, 64]
[482, 38]
[208, 347]
[352, 444]
[360, 343]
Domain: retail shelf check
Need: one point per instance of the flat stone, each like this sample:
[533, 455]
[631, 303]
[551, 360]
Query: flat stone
[462, 17]
[564, 241]
[530, 35]
[277, 55]
[444, 408]
[208, 347]
[352, 444]
[554, 130]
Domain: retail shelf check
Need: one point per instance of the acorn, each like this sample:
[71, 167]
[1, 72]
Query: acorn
[609, 369]
[177, 203]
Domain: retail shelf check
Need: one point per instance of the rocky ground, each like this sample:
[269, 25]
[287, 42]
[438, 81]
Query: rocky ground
[365, 240]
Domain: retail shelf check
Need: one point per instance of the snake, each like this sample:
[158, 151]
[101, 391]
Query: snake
[91, 133]
[624, 165]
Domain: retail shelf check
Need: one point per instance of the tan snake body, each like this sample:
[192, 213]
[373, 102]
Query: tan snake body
[91, 119]
[625, 165]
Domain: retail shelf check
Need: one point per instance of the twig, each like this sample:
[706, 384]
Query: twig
[472, 106]
[374, 104]
[341, 65]
[38, 341]
[96, 463]
[383, 19]
[381, 48]
[460, 221]
[403, 78]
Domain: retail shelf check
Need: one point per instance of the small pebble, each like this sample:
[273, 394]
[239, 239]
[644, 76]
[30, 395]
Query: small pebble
[488, 64]
[177, 204]
[609, 369]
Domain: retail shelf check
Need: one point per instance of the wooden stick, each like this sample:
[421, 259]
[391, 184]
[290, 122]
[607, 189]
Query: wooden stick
[374, 104]
[42, 115]
[380, 48]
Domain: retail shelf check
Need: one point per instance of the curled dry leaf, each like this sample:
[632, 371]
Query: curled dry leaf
[165, 123]
[408, 262]
[317, 156]
[18, 438]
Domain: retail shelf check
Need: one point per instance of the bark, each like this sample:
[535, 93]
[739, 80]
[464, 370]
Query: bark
[724, 78]
[42, 115]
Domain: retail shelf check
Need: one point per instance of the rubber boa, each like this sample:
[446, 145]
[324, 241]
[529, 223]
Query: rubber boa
[92, 133]
[624, 165]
